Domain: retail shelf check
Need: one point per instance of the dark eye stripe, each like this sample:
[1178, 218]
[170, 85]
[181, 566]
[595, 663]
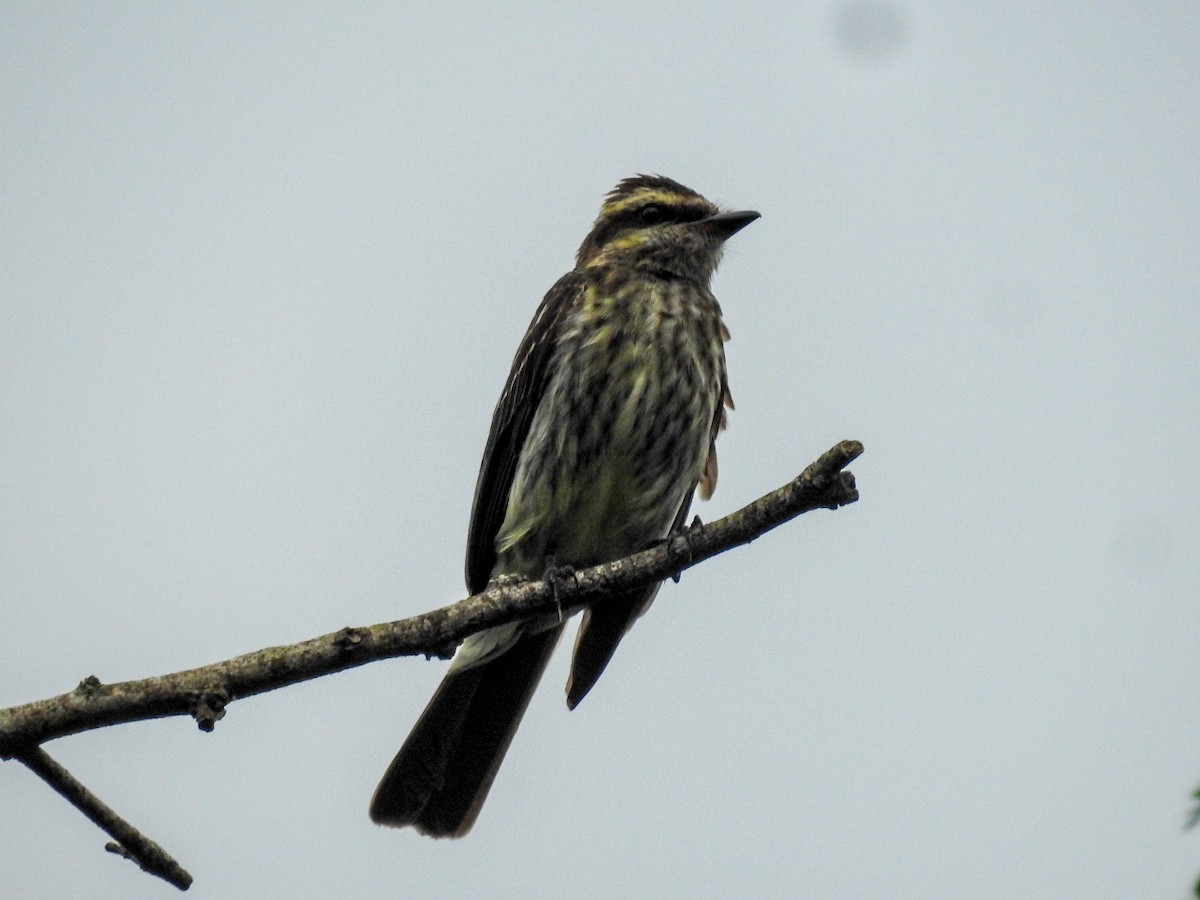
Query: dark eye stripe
[691, 212]
[669, 212]
[685, 209]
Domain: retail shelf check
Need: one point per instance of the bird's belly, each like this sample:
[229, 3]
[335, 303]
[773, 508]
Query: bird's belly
[608, 477]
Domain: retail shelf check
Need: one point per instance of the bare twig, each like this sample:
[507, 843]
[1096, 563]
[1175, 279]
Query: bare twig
[130, 842]
[204, 692]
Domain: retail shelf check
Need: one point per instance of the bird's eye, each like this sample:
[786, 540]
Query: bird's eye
[651, 214]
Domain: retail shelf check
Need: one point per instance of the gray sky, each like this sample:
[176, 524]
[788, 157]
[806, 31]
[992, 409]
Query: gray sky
[264, 267]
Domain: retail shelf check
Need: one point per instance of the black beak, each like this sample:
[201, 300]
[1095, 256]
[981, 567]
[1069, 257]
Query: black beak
[725, 225]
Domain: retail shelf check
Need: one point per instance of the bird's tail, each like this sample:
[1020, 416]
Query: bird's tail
[438, 781]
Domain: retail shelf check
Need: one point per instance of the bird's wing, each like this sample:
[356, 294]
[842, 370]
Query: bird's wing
[510, 425]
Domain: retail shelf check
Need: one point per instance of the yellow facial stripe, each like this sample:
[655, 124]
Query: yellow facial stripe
[627, 240]
[617, 245]
[641, 198]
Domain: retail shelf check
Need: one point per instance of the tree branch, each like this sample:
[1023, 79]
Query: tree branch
[205, 692]
[130, 842]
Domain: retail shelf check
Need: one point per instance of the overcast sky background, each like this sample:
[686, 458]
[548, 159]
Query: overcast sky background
[262, 272]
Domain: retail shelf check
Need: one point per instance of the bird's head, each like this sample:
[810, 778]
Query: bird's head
[651, 222]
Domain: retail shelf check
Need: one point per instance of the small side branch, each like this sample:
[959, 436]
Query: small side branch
[205, 692]
[129, 842]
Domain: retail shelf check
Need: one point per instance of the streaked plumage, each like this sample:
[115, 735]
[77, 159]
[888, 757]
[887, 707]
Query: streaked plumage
[604, 430]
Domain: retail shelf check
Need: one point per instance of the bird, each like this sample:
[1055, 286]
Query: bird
[605, 429]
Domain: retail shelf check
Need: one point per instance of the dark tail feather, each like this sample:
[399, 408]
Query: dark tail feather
[601, 630]
[441, 776]
[607, 622]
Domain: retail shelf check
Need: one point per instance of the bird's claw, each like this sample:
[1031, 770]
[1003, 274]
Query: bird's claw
[673, 554]
[556, 578]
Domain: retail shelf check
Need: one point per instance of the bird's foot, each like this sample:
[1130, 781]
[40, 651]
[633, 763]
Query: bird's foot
[683, 555]
[556, 577]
